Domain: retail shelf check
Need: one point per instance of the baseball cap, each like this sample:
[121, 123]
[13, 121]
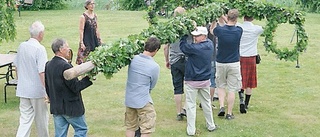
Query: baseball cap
[200, 31]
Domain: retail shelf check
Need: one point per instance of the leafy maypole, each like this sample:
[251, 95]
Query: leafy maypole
[109, 59]
[7, 27]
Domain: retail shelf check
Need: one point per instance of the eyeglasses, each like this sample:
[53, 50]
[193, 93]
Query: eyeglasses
[92, 3]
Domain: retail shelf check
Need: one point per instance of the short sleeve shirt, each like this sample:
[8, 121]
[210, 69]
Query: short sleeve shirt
[30, 61]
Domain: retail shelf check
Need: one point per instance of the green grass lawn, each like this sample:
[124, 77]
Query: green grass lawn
[284, 104]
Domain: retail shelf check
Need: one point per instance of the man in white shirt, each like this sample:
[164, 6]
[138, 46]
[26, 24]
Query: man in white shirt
[30, 64]
[248, 53]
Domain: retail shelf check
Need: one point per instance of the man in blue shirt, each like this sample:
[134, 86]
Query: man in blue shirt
[143, 73]
[228, 74]
[197, 77]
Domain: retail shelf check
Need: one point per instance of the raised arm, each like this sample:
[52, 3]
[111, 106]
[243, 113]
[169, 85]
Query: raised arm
[212, 26]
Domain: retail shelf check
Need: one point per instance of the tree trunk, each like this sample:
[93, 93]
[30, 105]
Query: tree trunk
[78, 70]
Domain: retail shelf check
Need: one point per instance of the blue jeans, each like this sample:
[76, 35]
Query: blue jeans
[62, 122]
[213, 74]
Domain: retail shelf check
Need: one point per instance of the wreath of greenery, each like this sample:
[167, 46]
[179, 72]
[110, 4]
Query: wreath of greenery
[110, 59]
[276, 15]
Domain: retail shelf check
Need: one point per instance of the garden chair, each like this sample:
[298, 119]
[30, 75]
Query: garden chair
[10, 80]
[23, 3]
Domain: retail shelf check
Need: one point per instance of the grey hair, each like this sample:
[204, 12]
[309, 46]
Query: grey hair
[87, 3]
[57, 44]
[178, 10]
[36, 28]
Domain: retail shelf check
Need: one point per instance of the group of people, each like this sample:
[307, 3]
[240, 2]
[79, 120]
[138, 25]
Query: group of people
[198, 64]
[232, 48]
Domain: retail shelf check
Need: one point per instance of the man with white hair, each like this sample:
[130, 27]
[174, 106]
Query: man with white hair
[175, 61]
[197, 77]
[30, 64]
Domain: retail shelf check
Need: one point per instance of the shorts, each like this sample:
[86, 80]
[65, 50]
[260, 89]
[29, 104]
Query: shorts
[145, 118]
[177, 73]
[228, 76]
[213, 74]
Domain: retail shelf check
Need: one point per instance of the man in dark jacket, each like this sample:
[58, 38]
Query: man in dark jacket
[197, 77]
[66, 103]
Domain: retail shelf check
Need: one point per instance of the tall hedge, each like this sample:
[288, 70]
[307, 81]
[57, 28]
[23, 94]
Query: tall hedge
[310, 5]
[47, 4]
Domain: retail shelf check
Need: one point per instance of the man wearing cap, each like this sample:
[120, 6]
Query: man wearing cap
[197, 77]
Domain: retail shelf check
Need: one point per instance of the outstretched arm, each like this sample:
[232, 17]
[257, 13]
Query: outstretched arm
[166, 55]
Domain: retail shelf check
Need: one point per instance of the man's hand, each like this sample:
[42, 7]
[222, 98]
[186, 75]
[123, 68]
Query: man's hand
[168, 64]
[46, 99]
[212, 26]
[223, 20]
[83, 47]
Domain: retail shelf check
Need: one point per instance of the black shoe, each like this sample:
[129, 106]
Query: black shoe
[221, 112]
[215, 98]
[229, 117]
[184, 113]
[200, 105]
[243, 109]
[179, 117]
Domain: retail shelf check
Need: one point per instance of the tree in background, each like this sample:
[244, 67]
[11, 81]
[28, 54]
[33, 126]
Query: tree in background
[47, 4]
[133, 5]
[310, 5]
[7, 26]
[158, 4]
[7, 8]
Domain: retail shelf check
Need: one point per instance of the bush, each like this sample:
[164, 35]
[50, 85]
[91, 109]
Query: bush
[99, 4]
[71, 4]
[132, 5]
[47, 4]
[310, 5]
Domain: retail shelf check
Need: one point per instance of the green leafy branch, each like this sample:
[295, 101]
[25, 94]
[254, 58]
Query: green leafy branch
[109, 59]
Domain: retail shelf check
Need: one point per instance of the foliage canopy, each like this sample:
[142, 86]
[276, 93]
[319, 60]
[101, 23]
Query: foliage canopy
[110, 59]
